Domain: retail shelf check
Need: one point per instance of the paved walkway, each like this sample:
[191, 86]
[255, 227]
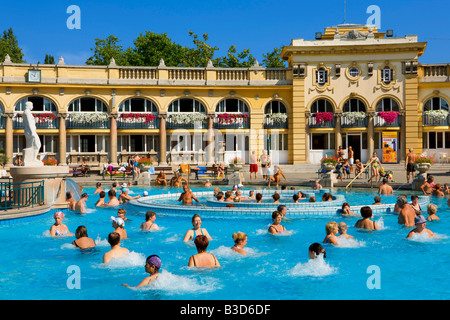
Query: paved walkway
[297, 175]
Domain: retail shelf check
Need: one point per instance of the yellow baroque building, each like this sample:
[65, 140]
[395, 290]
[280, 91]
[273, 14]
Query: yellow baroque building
[350, 86]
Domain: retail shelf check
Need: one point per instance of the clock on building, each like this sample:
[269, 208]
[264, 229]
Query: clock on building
[34, 75]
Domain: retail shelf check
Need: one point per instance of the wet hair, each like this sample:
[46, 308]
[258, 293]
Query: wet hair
[228, 194]
[113, 238]
[114, 184]
[283, 187]
[366, 212]
[295, 197]
[437, 186]
[377, 199]
[149, 214]
[431, 209]
[81, 232]
[330, 226]
[276, 196]
[312, 199]
[68, 195]
[317, 249]
[122, 211]
[258, 196]
[111, 193]
[275, 214]
[201, 242]
[239, 236]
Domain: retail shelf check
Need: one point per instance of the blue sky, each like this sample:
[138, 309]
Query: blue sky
[40, 26]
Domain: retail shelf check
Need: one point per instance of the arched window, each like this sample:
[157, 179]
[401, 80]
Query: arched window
[232, 113]
[88, 105]
[387, 104]
[275, 106]
[435, 103]
[232, 106]
[321, 105]
[354, 105]
[138, 105]
[40, 105]
[186, 105]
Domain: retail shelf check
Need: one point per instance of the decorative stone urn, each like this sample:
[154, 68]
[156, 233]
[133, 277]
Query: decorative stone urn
[328, 178]
[421, 177]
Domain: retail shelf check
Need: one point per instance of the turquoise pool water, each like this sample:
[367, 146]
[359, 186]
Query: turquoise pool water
[35, 266]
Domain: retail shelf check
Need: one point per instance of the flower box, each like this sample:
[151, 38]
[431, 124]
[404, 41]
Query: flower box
[50, 162]
[187, 118]
[324, 117]
[88, 117]
[230, 118]
[279, 118]
[137, 117]
[389, 116]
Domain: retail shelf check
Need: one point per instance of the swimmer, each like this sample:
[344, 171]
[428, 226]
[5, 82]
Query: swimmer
[327, 196]
[124, 197]
[80, 207]
[208, 183]
[420, 223]
[317, 185]
[437, 191]
[149, 223]
[282, 209]
[301, 195]
[152, 266]
[99, 189]
[346, 210]
[202, 258]
[315, 250]
[113, 201]
[258, 198]
[240, 241]
[276, 227]
[119, 226]
[187, 196]
[332, 230]
[220, 196]
[295, 198]
[406, 212]
[192, 233]
[121, 214]
[365, 222]
[229, 196]
[72, 202]
[83, 241]
[312, 199]
[276, 197]
[415, 204]
[342, 227]
[251, 195]
[59, 229]
[377, 200]
[431, 210]
[101, 201]
[239, 194]
[116, 250]
[385, 188]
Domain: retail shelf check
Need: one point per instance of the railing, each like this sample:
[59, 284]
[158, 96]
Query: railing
[71, 124]
[312, 122]
[276, 74]
[362, 171]
[271, 124]
[378, 121]
[238, 123]
[431, 121]
[186, 74]
[435, 72]
[232, 74]
[170, 124]
[46, 124]
[137, 124]
[19, 195]
[143, 73]
[347, 122]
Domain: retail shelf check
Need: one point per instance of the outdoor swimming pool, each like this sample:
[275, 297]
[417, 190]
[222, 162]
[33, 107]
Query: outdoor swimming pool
[35, 266]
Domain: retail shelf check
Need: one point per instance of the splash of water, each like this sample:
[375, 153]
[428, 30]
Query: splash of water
[73, 187]
[314, 268]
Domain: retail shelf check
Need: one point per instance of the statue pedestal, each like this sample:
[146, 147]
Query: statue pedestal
[29, 158]
[421, 177]
[54, 183]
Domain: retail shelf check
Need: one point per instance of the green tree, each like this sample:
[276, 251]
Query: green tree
[273, 59]
[49, 59]
[105, 49]
[199, 56]
[233, 59]
[10, 45]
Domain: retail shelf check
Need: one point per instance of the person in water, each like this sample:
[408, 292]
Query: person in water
[101, 201]
[342, 227]
[276, 227]
[152, 266]
[187, 196]
[202, 258]
[345, 211]
[315, 250]
[365, 222]
[149, 223]
[421, 224]
[116, 250]
[58, 229]
[331, 228]
[406, 212]
[431, 210]
[240, 241]
[113, 201]
[196, 230]
[119, 226]
[99, 188]
[72, 202]
[82, 240]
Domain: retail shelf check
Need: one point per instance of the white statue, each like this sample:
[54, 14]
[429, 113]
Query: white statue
[33, 143]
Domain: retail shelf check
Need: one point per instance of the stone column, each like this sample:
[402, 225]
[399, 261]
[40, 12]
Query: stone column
[9, 138]
[370, 132]
[210, 140]
[113, 138]
[162, 140]
[337, 130]
[62, 139]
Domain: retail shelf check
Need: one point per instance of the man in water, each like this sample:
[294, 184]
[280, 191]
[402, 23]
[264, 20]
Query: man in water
[187, 196]
[113, 201]
[116, 250]
[428, 185]
[124, 197]
[385, 188]
[72, 202]
[409, 164]
[407, 213]
[80, 206]
[161, 179]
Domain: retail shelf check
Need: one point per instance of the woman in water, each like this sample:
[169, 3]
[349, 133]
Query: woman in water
[240, 241]
[149, 223]
[276, 227]
[83, 241]
[431, 210]
[196, 230]
[276, 197]
[315, 250]
[152, 266]
[332, 230]
[365, 222]
[202, 258]
[415, 204]
[346, 210]
[59, 229]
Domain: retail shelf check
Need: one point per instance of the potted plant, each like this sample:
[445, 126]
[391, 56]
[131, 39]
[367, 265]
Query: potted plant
[423, 163]
[145, 163]
[437, 115]
[278, 117]
[389, 116]
[236, 163]
[324, 117]
[137, 117]
[49, 162]
[353, 117]
[230, 118]
[328, 163]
